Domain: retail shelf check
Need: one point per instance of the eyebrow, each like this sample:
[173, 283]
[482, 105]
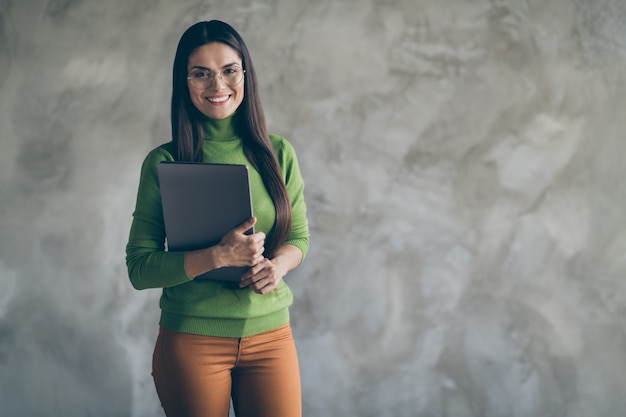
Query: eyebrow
[205, 68]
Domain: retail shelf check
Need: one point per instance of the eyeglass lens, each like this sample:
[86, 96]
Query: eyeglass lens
[202, 78]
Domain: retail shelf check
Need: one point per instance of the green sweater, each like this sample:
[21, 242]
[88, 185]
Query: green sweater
[207, 307]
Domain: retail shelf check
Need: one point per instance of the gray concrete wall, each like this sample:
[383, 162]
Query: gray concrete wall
[465, 182]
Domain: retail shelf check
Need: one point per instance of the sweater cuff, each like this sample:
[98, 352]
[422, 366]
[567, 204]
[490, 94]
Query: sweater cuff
[302, 244]
[158, 270]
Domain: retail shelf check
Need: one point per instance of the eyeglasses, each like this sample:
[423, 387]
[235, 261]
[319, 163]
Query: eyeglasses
[202, 78]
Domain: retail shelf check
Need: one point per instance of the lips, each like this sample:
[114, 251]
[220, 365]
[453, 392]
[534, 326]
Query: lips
[217, 99]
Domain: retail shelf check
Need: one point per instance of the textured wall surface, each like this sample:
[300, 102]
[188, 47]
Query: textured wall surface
[465, 185]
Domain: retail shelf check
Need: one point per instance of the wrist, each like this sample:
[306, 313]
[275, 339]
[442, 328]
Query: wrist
[203, 260]
[287, 258]
[279, 266]
[214, 256]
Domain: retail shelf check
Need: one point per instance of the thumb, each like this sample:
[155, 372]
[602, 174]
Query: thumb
[245, 226]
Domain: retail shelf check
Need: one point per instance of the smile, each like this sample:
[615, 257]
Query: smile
[217, 100]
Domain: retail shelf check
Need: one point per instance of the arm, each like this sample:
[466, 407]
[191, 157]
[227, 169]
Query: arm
[266, 276]
[149, 266]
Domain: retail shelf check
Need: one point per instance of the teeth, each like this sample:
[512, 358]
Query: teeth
[217, 99]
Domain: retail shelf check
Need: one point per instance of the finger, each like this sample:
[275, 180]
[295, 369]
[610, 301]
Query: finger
[270, 284]
[258, 238]
[247, 278]
[254, 260]
[254, 274]
[245, 226]
[250, 282]
[258, 285]
[267, 281]
[260, 249]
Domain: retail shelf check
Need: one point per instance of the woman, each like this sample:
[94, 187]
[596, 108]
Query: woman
[216, 341]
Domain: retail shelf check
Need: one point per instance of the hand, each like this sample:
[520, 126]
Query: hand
[239, 249]
[263, 277]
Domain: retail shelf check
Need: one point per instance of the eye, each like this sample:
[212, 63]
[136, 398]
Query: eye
[201, 74]
[234, 70]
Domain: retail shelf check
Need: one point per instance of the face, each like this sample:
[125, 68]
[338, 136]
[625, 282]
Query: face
[218, 100]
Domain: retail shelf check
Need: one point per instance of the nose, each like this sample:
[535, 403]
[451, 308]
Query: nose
[217, 82]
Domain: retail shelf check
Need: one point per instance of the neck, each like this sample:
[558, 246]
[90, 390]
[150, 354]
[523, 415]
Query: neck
[220, 129]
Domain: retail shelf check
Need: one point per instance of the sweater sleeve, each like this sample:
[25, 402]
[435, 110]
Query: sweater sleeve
[295, 188]
[149, 265]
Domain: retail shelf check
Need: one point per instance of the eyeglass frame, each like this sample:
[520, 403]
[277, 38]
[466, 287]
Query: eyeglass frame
[215, 75]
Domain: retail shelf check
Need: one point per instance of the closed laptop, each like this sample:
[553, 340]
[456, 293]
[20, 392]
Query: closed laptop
[201, 203]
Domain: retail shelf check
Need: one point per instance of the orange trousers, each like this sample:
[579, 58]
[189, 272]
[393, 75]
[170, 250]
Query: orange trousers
[196, 376]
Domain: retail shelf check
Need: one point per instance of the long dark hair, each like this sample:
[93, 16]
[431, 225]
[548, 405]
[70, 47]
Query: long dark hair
[187, 121]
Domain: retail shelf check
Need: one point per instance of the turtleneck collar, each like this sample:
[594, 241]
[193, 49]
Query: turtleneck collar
[221, 129]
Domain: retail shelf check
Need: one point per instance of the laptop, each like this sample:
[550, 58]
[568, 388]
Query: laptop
[201, 203]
